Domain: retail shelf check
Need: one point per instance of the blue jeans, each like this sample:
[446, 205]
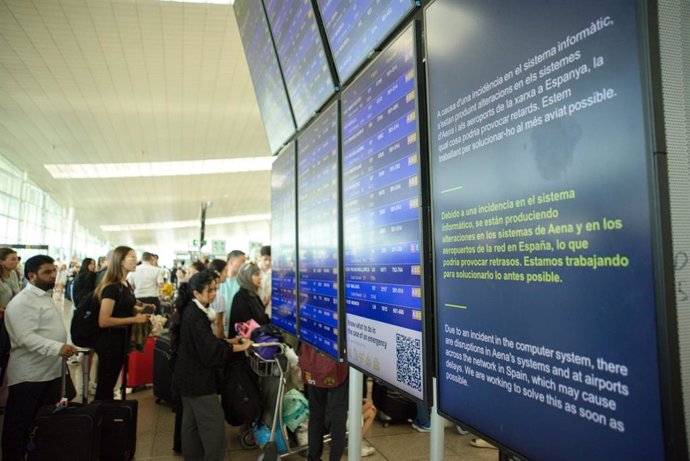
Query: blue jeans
[423, 415]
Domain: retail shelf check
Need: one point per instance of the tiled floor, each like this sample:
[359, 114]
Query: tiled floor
[393, 443]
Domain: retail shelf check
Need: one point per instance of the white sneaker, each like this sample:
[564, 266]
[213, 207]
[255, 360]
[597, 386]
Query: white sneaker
[367, 449]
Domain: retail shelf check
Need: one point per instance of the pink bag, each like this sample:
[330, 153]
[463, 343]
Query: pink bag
[244, 329]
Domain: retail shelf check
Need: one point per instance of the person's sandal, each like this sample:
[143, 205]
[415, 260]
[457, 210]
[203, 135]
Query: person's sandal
[481, 443]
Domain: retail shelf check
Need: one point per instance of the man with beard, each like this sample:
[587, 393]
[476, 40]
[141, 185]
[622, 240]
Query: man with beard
[39, 345]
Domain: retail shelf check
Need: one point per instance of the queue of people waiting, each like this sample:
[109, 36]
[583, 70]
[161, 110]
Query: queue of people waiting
[211, 299]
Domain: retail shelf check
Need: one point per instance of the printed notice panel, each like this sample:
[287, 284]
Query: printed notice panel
[302, 56]
[317, 204]
[265, 72]
[381, 214]
[356, 27]
[541, 210]
[284, 241]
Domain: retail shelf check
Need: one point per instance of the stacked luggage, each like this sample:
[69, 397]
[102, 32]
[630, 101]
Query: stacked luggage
[103, 430]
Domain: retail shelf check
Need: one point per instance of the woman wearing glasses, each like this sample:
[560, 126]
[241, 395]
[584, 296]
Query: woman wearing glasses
[117, 313]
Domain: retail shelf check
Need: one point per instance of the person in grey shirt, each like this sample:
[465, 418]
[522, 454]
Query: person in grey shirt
[39, 345]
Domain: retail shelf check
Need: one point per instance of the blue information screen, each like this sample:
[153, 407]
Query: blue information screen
[381, 214]
[356, 27]
[284, 241]
[265, 72]
[540, 156]
[302, 56]
[317, 225]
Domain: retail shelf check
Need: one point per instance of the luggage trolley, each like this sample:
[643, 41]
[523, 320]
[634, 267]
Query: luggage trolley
[269, 370]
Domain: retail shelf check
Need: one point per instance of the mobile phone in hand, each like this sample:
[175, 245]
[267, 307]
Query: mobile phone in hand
[148, 309]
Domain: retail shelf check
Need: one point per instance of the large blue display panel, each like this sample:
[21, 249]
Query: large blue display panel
[381, 214]
[265, 72]
[540, 155]
[284, 241]
[318, 225]
[302, 56]
[356, 27]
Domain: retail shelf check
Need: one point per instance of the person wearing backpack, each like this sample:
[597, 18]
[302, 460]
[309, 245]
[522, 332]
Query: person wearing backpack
[200, 357]
[85, 281]
[116, 313]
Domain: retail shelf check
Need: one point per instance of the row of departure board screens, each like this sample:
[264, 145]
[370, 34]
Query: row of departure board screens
[285, 36]
[380, 288]
[542, 222]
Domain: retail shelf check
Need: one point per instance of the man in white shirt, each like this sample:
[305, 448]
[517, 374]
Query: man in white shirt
[39, 345]
[219, 305]
[147, 281]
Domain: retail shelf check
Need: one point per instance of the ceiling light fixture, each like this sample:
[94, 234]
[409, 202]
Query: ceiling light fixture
[149, 169]
[184, 224]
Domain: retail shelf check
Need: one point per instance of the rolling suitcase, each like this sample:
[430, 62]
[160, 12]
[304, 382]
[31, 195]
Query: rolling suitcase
[162, 374]
[54, 426]
[392, 406]
[119, 431]
[140, 366]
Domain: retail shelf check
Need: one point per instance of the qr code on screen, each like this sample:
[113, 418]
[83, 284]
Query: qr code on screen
[409, 361]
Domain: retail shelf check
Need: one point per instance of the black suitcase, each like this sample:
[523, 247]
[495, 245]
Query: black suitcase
[162, 374]
[51, 430]
[392, 406]
[119, 429]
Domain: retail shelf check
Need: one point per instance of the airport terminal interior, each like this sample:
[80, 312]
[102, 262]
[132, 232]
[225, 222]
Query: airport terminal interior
[478, 203]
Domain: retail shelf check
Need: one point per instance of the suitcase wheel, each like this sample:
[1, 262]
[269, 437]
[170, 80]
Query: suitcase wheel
[247, 439]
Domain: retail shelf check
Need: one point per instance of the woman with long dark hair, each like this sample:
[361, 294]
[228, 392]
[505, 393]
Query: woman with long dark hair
[200, 358]
[85, 281]
[117, 312]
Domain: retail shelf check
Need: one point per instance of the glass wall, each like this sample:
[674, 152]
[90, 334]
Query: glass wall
[29, 216]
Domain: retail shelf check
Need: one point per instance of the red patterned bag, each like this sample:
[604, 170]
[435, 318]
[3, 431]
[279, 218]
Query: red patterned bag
[321, 370]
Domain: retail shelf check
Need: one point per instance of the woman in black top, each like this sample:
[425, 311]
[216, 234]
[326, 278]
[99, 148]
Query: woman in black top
[85, 281]
[247, 304]
[200, 358]
[117, 312]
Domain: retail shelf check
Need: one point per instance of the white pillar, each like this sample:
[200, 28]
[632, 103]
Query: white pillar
[68, 238]
[438, 427]
[354, 444]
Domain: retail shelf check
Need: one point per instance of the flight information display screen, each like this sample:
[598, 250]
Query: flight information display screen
[381, 214]
[356, 27]
[265, 72]
[541, 161]
[318, 225]
[284, 241]
[302, 56]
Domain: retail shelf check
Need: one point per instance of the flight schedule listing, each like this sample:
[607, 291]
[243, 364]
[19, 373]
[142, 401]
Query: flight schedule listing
[302, 56]
[355, 27]
[265, 72]
[381, 214]
[317, 206]
[284, 241]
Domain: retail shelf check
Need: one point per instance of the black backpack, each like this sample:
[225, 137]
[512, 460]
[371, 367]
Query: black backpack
[239, 394]
[84, 328]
